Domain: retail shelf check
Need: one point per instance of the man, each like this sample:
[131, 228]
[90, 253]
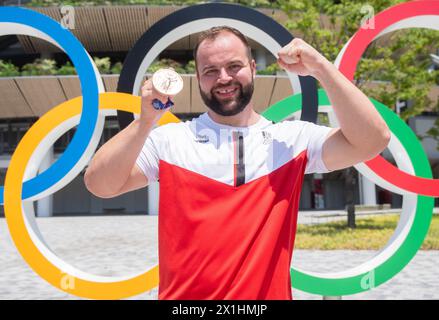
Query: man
[230, 180]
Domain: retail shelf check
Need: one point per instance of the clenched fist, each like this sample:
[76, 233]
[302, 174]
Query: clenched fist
[301, 58]
[149, 93]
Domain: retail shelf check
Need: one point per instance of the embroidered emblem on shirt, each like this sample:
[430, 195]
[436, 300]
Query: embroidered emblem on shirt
[202, 138]
[267, 137]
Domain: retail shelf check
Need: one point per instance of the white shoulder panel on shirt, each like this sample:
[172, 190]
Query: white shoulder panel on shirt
[207, 148]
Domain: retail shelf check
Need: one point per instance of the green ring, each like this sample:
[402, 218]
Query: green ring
[418, 231]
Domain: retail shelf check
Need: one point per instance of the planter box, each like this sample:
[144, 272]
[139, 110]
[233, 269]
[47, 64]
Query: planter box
[24, 97]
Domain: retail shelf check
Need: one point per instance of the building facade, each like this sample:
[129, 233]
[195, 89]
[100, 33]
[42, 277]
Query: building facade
[110, 31]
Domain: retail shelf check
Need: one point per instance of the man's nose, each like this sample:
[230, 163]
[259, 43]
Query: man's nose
[224, 76]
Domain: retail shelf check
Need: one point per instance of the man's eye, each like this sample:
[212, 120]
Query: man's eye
[235, 67]
[210, 72]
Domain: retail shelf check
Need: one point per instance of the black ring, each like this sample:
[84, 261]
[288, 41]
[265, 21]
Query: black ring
[203, 11]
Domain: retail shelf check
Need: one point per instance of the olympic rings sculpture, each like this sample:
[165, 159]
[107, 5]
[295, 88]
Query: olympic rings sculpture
[412, 178]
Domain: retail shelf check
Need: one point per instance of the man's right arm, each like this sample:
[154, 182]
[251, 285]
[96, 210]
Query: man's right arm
[113, 170]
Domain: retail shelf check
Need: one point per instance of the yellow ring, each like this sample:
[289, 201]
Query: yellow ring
[15, 216]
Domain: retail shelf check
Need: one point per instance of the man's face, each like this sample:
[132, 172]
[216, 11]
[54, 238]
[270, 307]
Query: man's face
[225, 74]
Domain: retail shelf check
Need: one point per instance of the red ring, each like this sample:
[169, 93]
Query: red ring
[354, 50]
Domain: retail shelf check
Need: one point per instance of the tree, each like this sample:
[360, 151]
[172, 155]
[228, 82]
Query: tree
[394, 67]
[397, 64]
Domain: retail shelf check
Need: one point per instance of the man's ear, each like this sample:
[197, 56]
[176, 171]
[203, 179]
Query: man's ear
[253, 66]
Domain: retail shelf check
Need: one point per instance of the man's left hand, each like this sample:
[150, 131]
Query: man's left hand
[301, 58]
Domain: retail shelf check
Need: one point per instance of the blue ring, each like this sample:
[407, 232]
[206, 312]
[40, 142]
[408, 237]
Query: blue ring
[90, 94]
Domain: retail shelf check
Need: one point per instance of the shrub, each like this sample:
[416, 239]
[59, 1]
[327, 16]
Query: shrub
[40, 67]
[7, 69]
[166, 63]
[116, 68]
[272, 69]
[103, 64]
[66, 69]
[190, 67]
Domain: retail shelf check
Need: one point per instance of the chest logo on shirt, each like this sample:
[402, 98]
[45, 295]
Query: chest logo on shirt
[267, 138]
[202, 138]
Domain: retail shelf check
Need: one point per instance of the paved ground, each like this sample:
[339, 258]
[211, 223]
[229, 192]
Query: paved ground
[324, 216]
[121, 245]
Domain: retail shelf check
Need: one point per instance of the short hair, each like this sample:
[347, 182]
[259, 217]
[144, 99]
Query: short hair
[214, 32]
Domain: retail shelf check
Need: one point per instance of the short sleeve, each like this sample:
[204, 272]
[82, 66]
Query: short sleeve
[316, 136]
[148, 159]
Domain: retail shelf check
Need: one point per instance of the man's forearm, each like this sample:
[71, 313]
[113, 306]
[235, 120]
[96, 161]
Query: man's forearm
[359, 121]
[113, 162]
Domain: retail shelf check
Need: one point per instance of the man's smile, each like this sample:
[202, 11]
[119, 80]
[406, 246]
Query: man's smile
[226, 92]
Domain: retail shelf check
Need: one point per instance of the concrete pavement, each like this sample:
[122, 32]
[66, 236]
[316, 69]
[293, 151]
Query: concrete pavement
[123, 245]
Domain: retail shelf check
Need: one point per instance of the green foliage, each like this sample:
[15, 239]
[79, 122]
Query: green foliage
[40, 67]
[403, 68]
[370, 234]
[7, 69]
[434, 131]
[45, 3]
[272, 69]
[48, 67]
[166, 63]
[67, 69]
[116, 68]
[190, 67]
[103, 64]
[392, 68]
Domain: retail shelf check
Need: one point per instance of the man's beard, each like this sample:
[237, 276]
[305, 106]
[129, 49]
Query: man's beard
[241, 100]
